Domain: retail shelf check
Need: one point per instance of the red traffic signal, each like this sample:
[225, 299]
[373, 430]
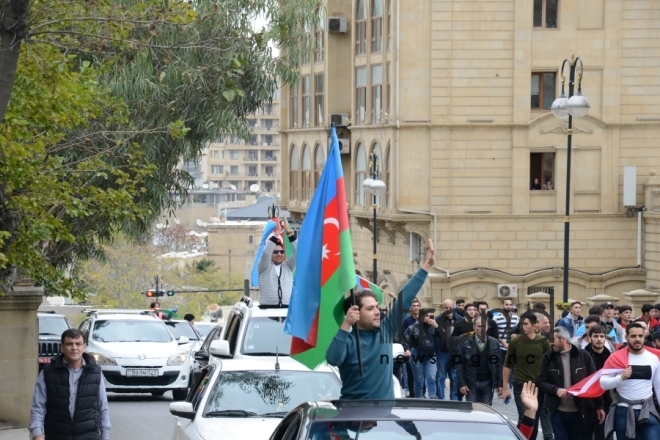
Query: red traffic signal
[153, 293]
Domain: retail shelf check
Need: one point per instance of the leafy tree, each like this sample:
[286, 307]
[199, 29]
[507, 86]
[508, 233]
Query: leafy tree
[107, 97]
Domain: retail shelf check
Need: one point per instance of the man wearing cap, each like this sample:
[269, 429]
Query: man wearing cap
[275, 270]
[608, 321]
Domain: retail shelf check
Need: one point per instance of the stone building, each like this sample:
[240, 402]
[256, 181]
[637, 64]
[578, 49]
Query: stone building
[453, 98]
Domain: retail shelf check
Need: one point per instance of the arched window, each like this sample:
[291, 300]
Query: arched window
[386, 177]
[360, 174]
[319, 162]
[376, 25]
[377, 152]
[294, 169]
[306, 178]
[361, 27]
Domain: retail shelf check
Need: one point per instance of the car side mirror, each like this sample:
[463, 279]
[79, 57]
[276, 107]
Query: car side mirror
[182, 409]
[220, 347]
[183, 340]
[201, 355]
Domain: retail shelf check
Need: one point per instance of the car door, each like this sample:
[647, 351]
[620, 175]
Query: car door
[183, 427]
[201, 356]
[287, 427]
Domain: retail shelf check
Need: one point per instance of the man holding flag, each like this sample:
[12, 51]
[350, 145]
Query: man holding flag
[375, 340]
[275, 270]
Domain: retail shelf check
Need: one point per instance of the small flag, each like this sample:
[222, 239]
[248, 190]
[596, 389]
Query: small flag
[363, 284]
[268, 231]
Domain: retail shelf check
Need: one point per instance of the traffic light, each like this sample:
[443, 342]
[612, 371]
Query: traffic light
[153, 293]
[170, 293]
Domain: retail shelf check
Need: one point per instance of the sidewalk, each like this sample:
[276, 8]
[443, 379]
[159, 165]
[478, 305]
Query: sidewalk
[14, 434]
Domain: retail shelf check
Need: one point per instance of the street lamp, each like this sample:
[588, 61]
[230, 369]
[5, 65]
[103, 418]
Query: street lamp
[566, 108]
[377, 188]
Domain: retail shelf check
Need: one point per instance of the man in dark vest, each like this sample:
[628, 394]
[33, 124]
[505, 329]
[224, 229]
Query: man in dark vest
[69, 401]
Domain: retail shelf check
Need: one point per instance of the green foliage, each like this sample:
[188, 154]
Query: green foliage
[108, 98]
[204, 265]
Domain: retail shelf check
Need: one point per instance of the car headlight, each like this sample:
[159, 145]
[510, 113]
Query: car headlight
[102, 359]
[177, 359]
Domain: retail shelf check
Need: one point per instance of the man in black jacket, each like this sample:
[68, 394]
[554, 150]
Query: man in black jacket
[599, 352]
[561, 368]
[70, 402]
[478, 364]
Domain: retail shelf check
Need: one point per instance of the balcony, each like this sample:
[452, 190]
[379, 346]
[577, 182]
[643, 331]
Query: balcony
[251, 158]
[269, 158]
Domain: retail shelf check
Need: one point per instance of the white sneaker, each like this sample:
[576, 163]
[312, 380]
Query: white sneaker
[407, 393]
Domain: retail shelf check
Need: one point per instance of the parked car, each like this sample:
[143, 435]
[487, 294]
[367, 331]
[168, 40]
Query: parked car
[181, 327]
[51, 327]
[201, 356]
[246, 398]
[204, 328]
[398, 419]
[137, 353]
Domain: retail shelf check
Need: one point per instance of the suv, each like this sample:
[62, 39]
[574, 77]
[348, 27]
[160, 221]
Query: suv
[51, 327]
[137, 353]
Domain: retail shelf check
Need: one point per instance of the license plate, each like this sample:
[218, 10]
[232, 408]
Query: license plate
[141, 372]
[44, 360]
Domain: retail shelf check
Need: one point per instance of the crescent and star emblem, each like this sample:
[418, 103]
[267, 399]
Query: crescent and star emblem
[329, 221]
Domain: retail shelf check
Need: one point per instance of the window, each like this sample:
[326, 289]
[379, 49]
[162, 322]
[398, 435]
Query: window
[252, 123]
[293, 174]
[545, 13]
[389, 87]
[233, 184]
[360, 174]
[216, 169]
[306, 100]
[360, 94]
[376, 25]
[389, 25]
[216, 154]
[293, 106]
[234, 139]
[269, 155]
[360, 28]
[269, 186]
[319, 162]
[252, 155]
[376, 93]
[543, 90]
[542, 171]
[318, 37]
[269, 170]
[252, 170]
[306, 177]
[253, 140]
[250, 239]
[387, 176]
[268, 124]
[306, 55]
[233, 169]
[233, 154]
[318, 100]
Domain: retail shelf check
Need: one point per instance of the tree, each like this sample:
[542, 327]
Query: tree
[131, 88]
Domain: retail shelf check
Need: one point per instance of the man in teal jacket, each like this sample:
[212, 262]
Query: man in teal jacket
[375, 340]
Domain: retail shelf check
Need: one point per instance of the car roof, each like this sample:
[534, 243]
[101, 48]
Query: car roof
[267, 363]
[406, 409]
[50, 315]
[255, 311]
[208, 324]
[126, 317]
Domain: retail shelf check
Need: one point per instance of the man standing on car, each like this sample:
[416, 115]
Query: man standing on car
[478, 364]
[562, 368]
[70, 400]
[375, 340]
[275, 270]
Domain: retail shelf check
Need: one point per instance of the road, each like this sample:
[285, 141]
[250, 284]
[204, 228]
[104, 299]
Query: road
[141, 416]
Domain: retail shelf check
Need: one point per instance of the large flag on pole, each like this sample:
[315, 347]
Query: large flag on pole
[589, 387]
[324, 269]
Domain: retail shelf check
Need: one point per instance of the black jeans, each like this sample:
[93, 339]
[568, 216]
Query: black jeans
[481, 392]
[517, 391]
[568, 425]
[593, 429]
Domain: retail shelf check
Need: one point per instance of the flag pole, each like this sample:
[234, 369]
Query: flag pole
[357, 338]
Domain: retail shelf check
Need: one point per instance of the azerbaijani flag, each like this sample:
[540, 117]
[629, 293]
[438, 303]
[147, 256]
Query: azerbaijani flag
[363, 284]
[590, 388]
[268, 232]
[324, 269]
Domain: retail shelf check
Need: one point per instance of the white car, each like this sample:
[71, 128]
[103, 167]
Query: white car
[245, 399]
[181, 327]
[137, 354]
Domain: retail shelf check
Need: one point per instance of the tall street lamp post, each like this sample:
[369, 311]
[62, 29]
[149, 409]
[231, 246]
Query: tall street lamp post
[377, 188]
[575, 105]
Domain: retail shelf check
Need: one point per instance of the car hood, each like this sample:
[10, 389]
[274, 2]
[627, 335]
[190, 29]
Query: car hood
[150, 350]
[236, 428]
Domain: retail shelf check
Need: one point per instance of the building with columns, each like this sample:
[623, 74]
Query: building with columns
[454, 100]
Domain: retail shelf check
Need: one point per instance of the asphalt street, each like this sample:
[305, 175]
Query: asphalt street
[141, 416]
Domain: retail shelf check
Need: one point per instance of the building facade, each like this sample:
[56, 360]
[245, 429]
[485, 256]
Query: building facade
[454, 100]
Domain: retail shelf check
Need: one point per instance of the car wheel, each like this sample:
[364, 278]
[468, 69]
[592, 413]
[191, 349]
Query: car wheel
[180, 394]
[157, 393]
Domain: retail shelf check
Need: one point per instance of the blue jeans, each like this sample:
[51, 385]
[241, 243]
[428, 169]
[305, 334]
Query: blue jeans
[647, 431]
[424, 369]
[444, 369]
[568, 425]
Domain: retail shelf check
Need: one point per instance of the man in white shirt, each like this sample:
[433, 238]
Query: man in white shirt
[634, 414]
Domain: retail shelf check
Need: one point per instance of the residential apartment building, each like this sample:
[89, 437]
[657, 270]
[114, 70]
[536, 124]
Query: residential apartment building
[230, 163]
[454, 97]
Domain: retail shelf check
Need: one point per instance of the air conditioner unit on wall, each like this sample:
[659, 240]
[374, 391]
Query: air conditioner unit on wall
[507, 291]
[344, 145]
[339, 119]
[337, 25]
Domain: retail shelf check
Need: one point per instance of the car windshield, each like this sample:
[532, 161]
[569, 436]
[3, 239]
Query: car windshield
[52, 326]
[407, 429]
[265, 336]
[117, 330]
[269, 392]
[184, 328]
[204, 330]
